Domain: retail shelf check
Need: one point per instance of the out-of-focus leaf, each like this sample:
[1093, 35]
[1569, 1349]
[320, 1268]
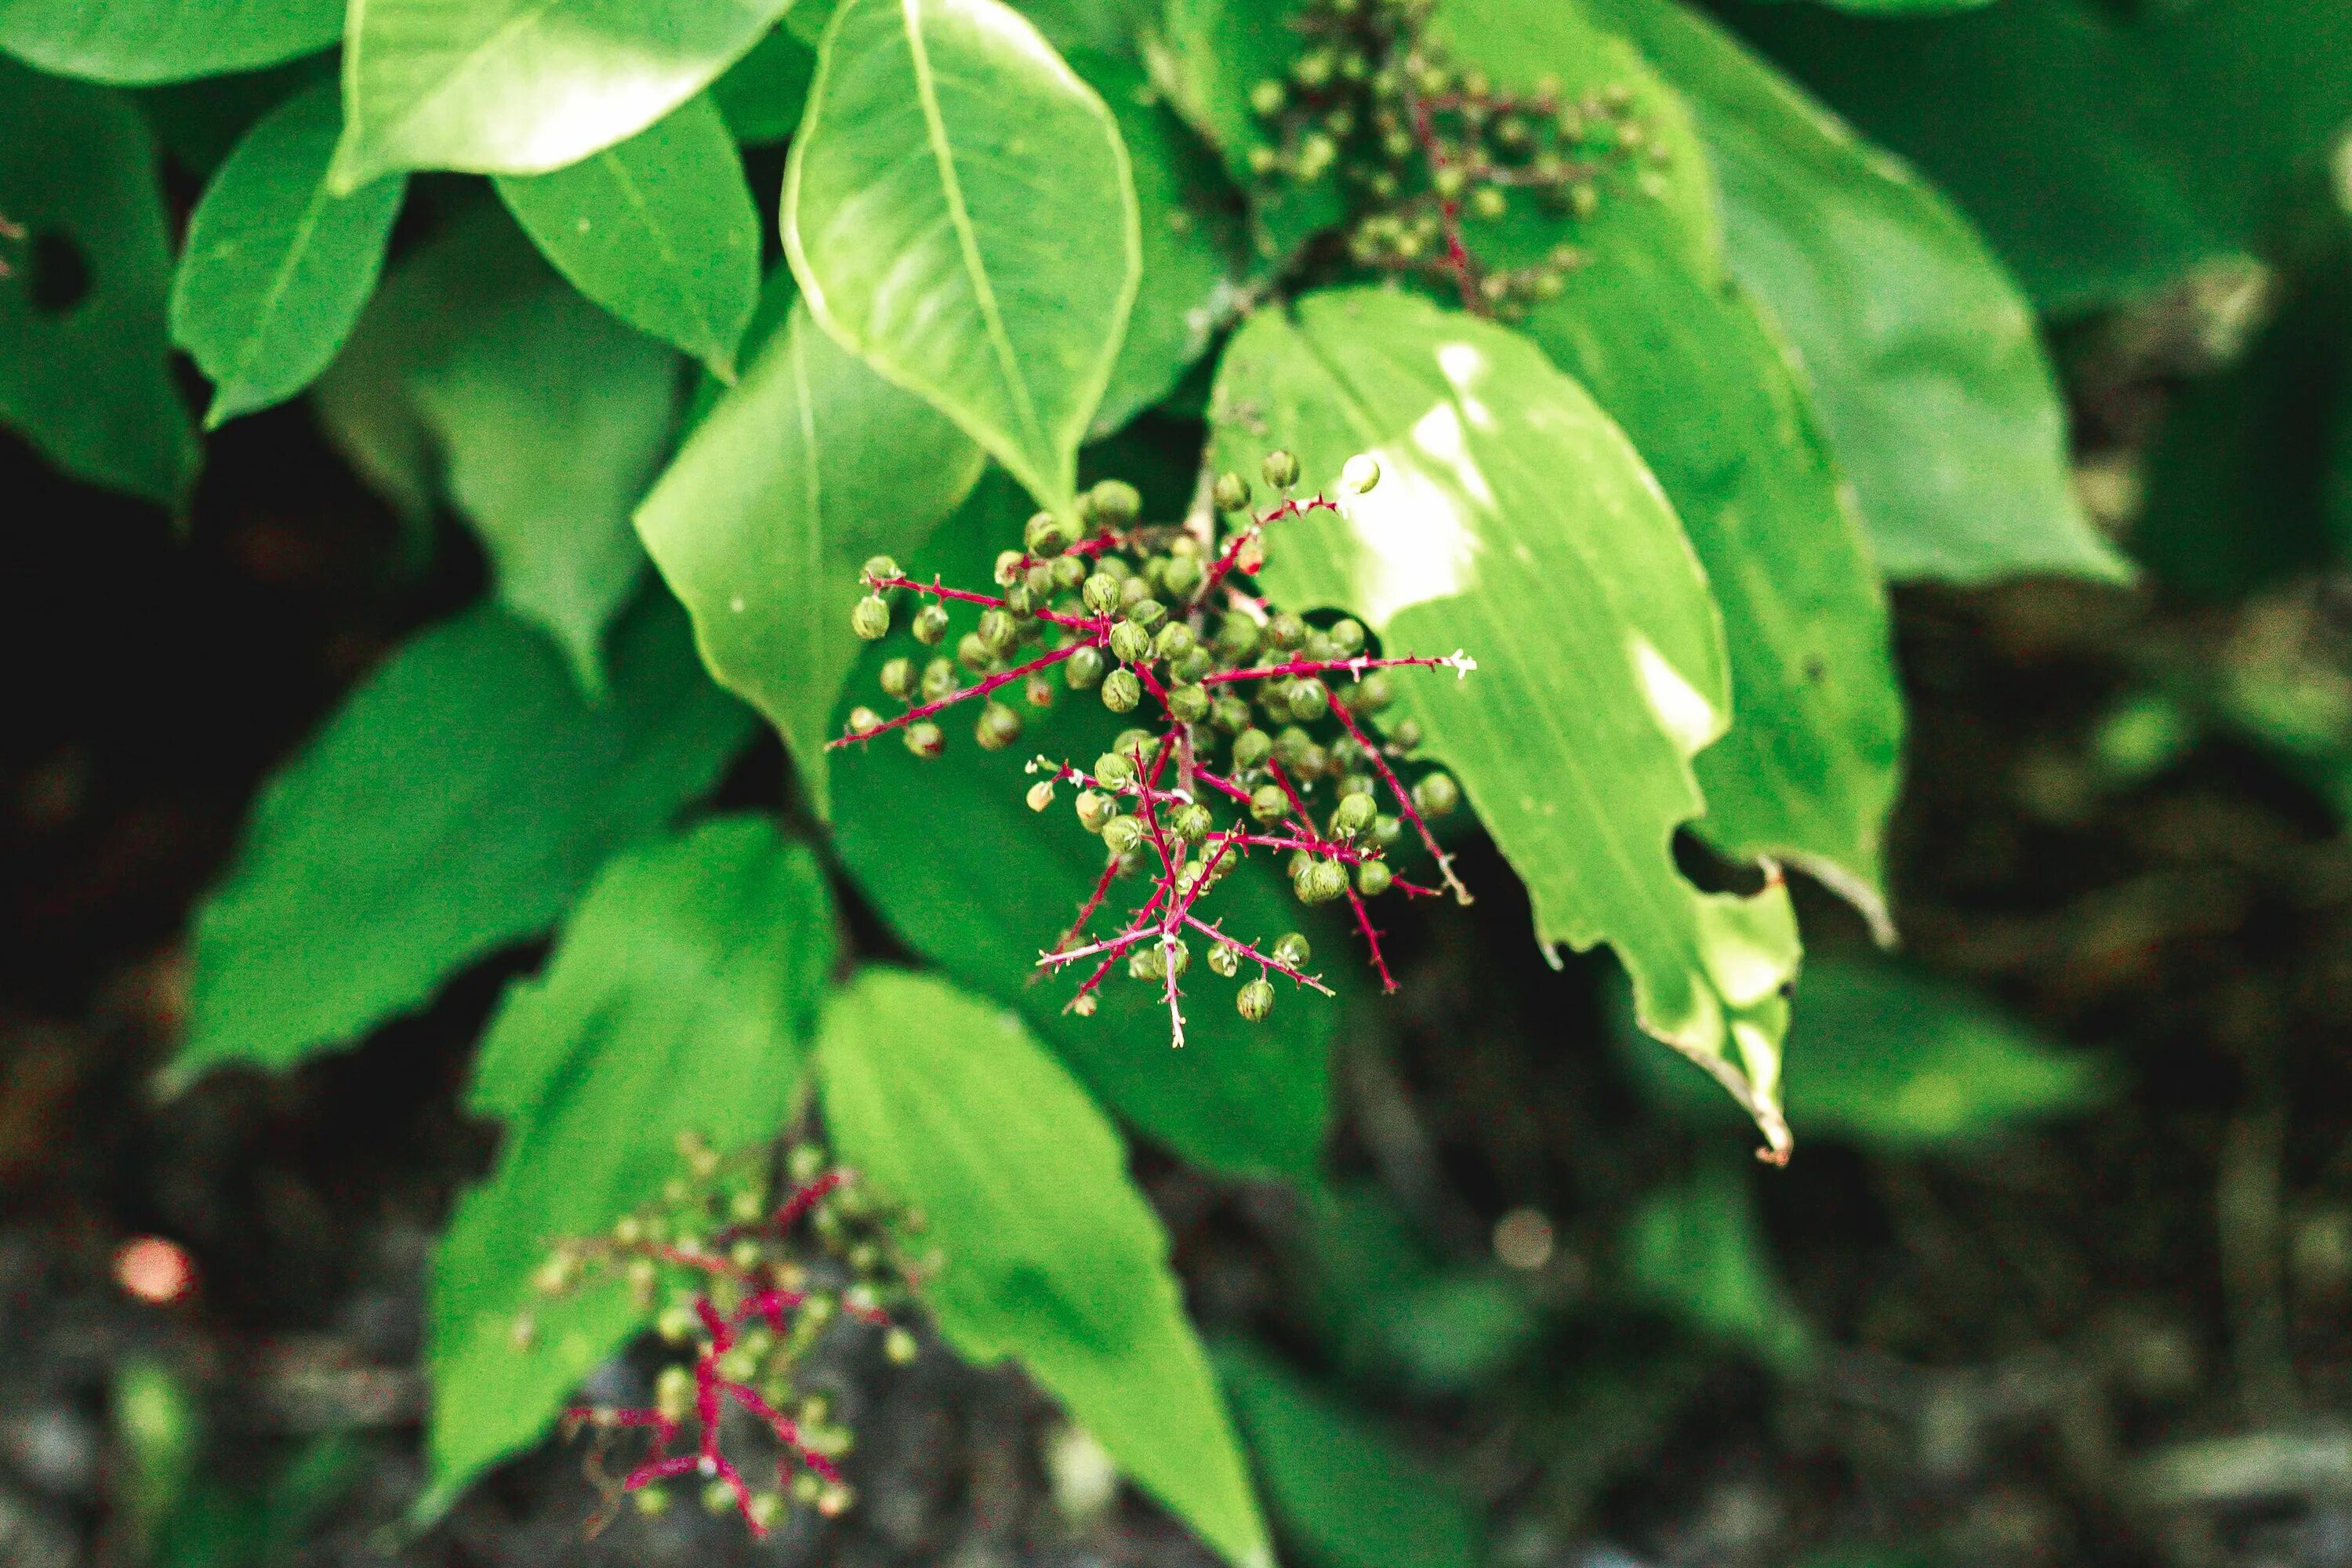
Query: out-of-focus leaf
[762, 94]
[1515, 520]
[1697, 1251]
[1922, 357]
[1191, 248]
[458, 801]
[132, 41]
[2103, 156]
[798, 474]
[85, 375]
[479, 376]
[659, 229]
[1345, 1492]
[960, 214]
[682, 998]
[1052, 1256]
[199, 123]
[1391, 1311]
[521, 87]
[929, 842]
[1892, 1060]
[276, 269]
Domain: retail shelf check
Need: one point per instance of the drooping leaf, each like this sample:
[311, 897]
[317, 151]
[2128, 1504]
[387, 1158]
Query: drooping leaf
[762, 94]
[970, 876]
[659, 229]
[1347, 1493]
[960, 212]
[276, 269]
[2103, 154]
[133, 41]
[1698, 1250]
[1516, 522]
[1193, 255]
[480, 377]
[682, 997]
[801, 471]
[1052, 1256]
[1895, 1061]
[1922, 357]
[458, 801]
[86, 375]
[521, 87]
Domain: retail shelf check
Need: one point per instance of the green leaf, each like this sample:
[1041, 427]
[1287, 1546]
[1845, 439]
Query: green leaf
[276, 269]
[659, 230]
[762, 94]
[682, 998]
[1192, 256]
[479, 376]
[804, 469]
[1895, 1060]
[1922, 357]
[1347, 1493]
[1903, 7]
[2103, 156]
[1516, 522]
[133, 41]
[970, 876]
[1052, 1256]
[85, 376]
[521, 87]
[960, 212]
[458, 801]
[1699, 1251]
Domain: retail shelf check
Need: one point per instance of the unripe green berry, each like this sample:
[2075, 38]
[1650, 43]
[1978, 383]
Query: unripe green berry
[1038, 691]
[1047, 535]
[1267, 98]
[931, 625]
[717, 1497]
[1308, 699]
[1020, 603]
[899, 677]
[1129, 642]
[1133, 590]
[973, 652]
[1320, 882]
[674, 1388]
[1188, 704]
[1229, 713]
[1146, 961]
[1114, 769]
[1067, 572]
[1184, 577]
[1281, 470]
[1095, 808]
[1010, 565]
[879, 567]
[1291, 746]
[1193, 666]
[938, 679]
[1175, 640]
[1231, 492]
[766, 1509]
[864, 720]
[1224, 960]
[1352, 815]
[999, 630]
[1252, 748]
[1347, 634]
[997, 728]
[1146, 612]
[1254, 1001]
[1374, 879]
[1114, 502]
[1285, 631]
[1488, 202]
[1190, 822]
[1292, 950]
[1373, 694]
[926, 739]
[1268, 803]
[1083, 671]
[1100, 594]
[1122, 691]
[871, 618]
[1121, 834]
[1436, 794]
[900, 1347]
[652, 1502]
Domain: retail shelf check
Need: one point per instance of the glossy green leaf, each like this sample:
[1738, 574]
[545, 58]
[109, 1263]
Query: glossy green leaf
[762, 94]
[1346, 1492]
[798, 474]
[85, 375]
[659, 229]
[960, 212]
[133, 41]
[1516, 522]
[929, 843]
[480, 377]
[276, 269]
[2104, 152]
[1192, 250]
[521, 87]
[1699, 1251]
[682, 997]
[1052, 1256]
[1893, 1059]
[1678, 357]
[458, 801]
[1922, 357]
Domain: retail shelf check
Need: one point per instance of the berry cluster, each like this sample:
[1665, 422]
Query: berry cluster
[748, 1284]
[1259, 715]
[1427, 151]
